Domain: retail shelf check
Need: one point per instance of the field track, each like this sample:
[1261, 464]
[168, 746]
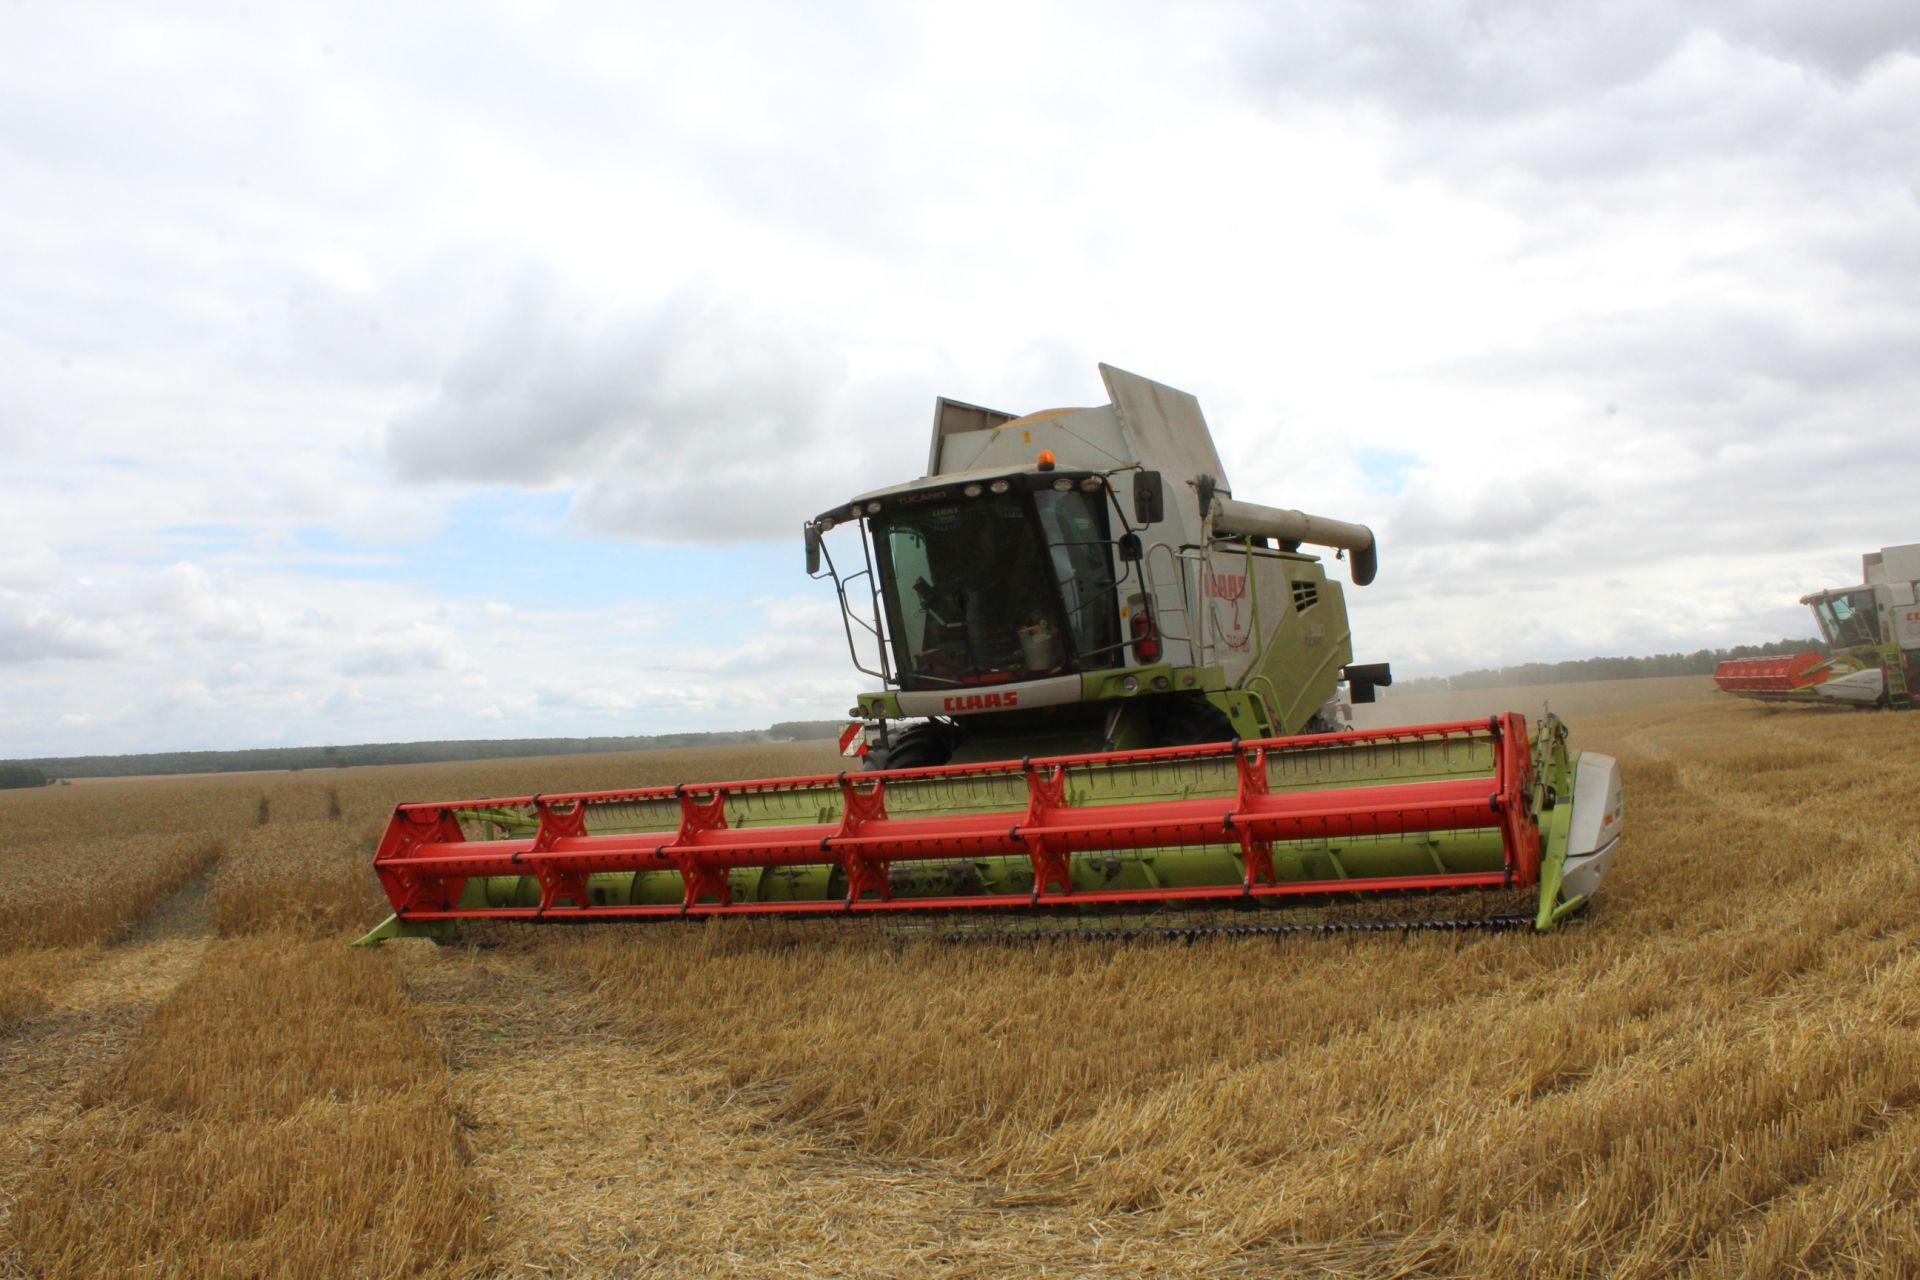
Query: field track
[87, 1021]
[644, 1152]
[1713, 1075]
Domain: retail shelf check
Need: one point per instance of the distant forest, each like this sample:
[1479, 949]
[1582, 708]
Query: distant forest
[1698, 663]
[38, 772]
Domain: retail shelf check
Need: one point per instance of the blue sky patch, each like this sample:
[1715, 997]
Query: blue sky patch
[1387, 468]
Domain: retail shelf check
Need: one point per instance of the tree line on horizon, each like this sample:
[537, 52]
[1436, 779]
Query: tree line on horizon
[1699, 662]
[42, 770]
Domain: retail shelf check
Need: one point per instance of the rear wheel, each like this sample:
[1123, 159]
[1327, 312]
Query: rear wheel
[917, 746]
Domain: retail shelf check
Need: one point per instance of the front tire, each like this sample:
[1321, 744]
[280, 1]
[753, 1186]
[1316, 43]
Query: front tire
[918, 746]
[1189, 720]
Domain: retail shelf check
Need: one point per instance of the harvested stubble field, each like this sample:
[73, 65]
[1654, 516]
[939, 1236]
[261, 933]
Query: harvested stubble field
[1717, 1074]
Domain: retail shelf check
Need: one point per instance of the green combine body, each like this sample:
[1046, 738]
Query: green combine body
[1084, 580]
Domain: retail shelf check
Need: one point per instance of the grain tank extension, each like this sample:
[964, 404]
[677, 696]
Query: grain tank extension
[1106, 687]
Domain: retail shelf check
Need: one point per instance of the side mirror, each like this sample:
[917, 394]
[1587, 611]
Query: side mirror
[1364, 677]
[1149, 503]
[813, 549]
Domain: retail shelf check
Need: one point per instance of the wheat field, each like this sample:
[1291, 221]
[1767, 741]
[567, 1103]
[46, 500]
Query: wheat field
[1716, 1073]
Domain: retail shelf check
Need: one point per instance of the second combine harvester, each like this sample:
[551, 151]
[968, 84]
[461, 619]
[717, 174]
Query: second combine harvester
[1873, 644]
[1107, 686]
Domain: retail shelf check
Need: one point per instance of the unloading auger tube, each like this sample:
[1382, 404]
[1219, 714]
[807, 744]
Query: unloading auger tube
[1471, 805]
[1251, 520]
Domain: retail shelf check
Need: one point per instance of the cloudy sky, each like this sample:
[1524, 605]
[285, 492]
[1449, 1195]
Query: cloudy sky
[374, 372]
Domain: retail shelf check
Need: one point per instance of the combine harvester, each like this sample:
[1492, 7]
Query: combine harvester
[1873, 637]
[1108, 688]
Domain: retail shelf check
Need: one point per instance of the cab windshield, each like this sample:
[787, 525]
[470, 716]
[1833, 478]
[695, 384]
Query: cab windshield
[1003, 587]
[1847, 619]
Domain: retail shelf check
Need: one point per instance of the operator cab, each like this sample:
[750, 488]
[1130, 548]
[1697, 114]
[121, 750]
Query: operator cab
[1847, 618]
[994, 579]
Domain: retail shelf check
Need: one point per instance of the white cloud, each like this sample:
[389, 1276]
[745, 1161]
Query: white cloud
[693, 420]
[195, 658]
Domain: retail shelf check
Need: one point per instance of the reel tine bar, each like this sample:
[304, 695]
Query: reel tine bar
[425, 860]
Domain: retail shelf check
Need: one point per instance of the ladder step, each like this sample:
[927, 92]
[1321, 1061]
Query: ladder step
[1894, 673]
